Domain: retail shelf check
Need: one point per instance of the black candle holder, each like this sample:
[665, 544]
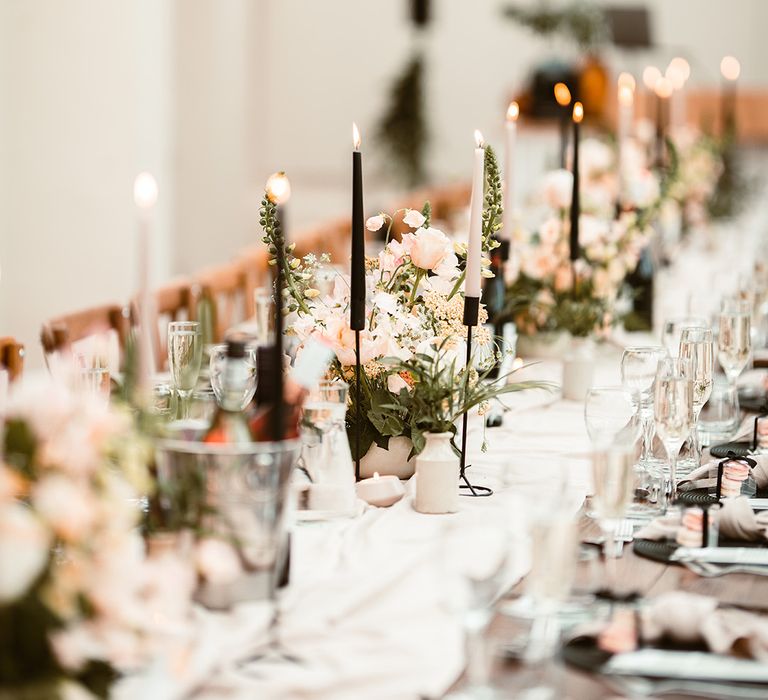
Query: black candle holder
[471, 313]
[357, 405]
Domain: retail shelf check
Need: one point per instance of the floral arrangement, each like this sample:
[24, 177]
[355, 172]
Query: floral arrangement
[80, 601]
[549, 292]
[415, 301]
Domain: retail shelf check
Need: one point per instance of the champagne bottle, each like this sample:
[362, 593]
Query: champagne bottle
[230, 424]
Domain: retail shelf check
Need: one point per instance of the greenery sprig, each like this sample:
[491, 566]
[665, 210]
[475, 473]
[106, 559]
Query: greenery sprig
[493, 211]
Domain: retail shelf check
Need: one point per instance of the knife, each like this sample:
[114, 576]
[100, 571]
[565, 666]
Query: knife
[659, 663]
[753, 556]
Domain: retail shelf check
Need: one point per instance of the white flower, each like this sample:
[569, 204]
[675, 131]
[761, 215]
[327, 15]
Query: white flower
[68, 506]
[557, 189]
[395, 383]
[413, 218]
[375, 222]
[217, 561]
[596, 157]
[428, 247]
[24, 550]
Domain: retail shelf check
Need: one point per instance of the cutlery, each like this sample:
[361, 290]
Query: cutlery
[722, 555]
[709, 570]
[636, 687]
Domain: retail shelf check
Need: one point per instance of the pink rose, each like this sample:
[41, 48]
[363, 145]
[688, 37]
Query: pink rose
[428, 247]
[413, 218]
[375, 222]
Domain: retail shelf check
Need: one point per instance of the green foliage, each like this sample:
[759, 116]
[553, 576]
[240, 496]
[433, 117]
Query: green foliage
[442, 390]
[426, 212]
[582, 22]
[493, 209]
[403, 132]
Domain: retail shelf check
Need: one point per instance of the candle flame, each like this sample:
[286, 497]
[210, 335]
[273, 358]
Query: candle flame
[664, 87]
[517, 363]
[513, 112]
[730, 67]
[678, 71]
[375, 475]
[651, 76]
[562, 94]
[356, 136]
[626, 96]
[479, 139]
[578, 112]
[627, 80]
[278, 188]
[145, 190]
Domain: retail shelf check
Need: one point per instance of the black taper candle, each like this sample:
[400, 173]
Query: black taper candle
[278, 420]
[660, 119]
[578, 114]
[357, 292]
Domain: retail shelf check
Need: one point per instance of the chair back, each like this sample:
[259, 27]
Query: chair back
[12, 357]
[222, 299]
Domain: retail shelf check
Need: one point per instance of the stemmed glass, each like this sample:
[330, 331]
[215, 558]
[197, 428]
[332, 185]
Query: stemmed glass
[185, 353]
[638, 373]
[673, 328]
[614, 486]
[611, 414]
[696, 345]
[673, 410]
[217, 364]
[734, 341]
[475, 552]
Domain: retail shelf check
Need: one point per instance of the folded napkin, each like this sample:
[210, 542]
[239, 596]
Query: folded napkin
[736, 520]
[688, 618]
[706, 475]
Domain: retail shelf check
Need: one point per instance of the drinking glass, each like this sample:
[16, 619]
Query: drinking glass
[93, 376]
[262, 298]
[696, 345]
[613, 482]
[734, 342]
[673, 328]
[673, 410]
[185, 353]
[638, 373]
[611, 414]
[217, 364]
[475, 556]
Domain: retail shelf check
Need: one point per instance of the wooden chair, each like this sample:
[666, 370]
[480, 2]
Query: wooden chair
[223, 290]
[175, 301]
[256, 273]
[12, 357]
[60, 334]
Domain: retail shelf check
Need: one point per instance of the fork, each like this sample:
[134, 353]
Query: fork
[709, 570]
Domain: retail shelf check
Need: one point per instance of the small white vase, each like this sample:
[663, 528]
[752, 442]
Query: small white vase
[579, 369]
[547, 345]
[437, 476]
[392, 461]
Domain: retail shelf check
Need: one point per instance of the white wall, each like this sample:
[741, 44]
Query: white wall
[213, 95]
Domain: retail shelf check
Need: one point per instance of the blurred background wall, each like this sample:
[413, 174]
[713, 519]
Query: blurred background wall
[212, 96]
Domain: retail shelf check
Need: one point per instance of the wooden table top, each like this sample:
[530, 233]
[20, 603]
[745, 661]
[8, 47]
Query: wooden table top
[632, 573]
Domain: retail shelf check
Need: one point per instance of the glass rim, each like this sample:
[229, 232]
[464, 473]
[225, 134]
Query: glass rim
[645, 348]
[192, 325]
[195, 447]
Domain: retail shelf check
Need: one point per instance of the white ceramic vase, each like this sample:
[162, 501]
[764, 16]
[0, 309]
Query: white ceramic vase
[437, 476]
[547, 345]
[390, 461]
[579, 369]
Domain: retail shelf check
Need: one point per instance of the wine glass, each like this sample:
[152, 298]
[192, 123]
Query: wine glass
[185, 353]
[638, 373]
[697, 346]
[673, 410]
[613, 483]
[217, 364]
[611, 414]
[475, 556]
[674, 327]
[734, 342]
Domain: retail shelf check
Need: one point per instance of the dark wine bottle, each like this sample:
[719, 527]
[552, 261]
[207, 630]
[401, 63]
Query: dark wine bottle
[641, 284]
[493, 298]
[262, 422]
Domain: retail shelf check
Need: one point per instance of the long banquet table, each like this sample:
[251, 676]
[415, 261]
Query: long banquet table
[364, 610]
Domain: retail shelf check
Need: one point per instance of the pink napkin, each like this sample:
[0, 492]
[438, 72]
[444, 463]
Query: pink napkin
[690, 618]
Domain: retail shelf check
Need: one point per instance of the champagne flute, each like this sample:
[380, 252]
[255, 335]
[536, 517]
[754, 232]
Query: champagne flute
[638, 373]
[734, 342]
[613, 480]
[697, 346]
[673, 328]
[185, 353]
[673, 409]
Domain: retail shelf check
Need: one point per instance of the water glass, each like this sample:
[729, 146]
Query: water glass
[673, 411]
[262, 298]
[217, 364]
[185, 354]
[611, 414]
[638, 373]
[93, 377]
[720, 416]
